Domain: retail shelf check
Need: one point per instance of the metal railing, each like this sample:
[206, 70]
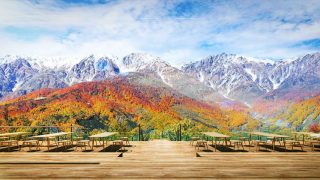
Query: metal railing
[139, 133]
[76, 131]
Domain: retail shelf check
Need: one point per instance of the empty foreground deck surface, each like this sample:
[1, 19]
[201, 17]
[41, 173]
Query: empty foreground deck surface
[160, 159]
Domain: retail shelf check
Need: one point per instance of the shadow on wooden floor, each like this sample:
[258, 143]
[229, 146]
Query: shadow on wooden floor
[223, 148]
[113, 148]
[281, 149]
[69, 148]
[11, 149]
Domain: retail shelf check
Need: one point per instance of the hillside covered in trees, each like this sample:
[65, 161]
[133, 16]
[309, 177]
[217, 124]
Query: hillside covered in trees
[301, 116]
[117, 105]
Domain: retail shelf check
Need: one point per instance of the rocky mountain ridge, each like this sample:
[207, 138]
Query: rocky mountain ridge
[237, 77]
[219, 77]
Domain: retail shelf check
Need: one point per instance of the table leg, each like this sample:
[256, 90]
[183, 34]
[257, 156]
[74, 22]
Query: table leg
[212, 141]
[215, 144]
[273, 143]
[92, 143]
[303, 139]
[48, 143]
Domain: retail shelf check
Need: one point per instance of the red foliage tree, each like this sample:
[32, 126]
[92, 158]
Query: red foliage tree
[314, 128]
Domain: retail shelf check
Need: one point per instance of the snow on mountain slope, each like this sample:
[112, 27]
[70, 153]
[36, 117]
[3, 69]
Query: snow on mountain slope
[169, 75]
[227, 74]
[245, 78]
[136, 62]
[233, 76]
[92, 68]
[43, 62]
[24, 74]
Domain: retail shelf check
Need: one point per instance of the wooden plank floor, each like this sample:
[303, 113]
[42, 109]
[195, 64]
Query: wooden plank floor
[160, 159]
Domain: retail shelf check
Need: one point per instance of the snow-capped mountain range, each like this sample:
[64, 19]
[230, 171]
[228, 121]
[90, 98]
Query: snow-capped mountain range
[221, 76]
[244, 79]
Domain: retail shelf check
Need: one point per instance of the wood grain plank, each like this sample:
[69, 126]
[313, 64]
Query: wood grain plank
[161, 159]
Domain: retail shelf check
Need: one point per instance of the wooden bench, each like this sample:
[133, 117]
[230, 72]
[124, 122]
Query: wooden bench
[4, 138]
[259, 143]
[119, 143]
[313, 144]
[64, 143]
[194, 139]
[126, 140]
[236, 144]
[202, 143]
[83, 143]
[9, 144]
[293, 143]
[30, 143]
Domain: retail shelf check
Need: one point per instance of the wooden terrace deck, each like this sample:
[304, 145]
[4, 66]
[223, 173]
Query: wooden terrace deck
[160, 159]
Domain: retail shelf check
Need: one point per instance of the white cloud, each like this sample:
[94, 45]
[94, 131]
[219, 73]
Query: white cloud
[268, 28]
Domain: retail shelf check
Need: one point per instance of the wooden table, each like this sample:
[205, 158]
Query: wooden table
[48, 136]
[6, 137]
[216, 136]
[101, 136]
[304, 134]
[13, 134]
[315, 135]
[311, 134]
[269, 135]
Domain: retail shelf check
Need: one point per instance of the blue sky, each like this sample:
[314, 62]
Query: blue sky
[177, 31]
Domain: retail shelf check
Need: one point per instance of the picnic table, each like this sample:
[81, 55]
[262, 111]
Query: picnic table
[315, 135]
[53, 135]
[315, 138]
[13, 134]
[102, 136]
[216, 136]
[311, 134]
[304, 134]
[274, 137]
[5, 138]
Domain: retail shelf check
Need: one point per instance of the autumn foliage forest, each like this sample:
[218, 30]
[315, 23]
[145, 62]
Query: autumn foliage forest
[302, 116]
[117, 105]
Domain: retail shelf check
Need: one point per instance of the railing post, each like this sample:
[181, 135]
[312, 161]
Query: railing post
[180, 134]
[142, 138]
[139, 129]
[71, 129]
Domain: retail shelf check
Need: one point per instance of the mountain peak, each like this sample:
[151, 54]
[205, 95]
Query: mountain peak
[230, 74]
[147, 58]
[139, 61]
